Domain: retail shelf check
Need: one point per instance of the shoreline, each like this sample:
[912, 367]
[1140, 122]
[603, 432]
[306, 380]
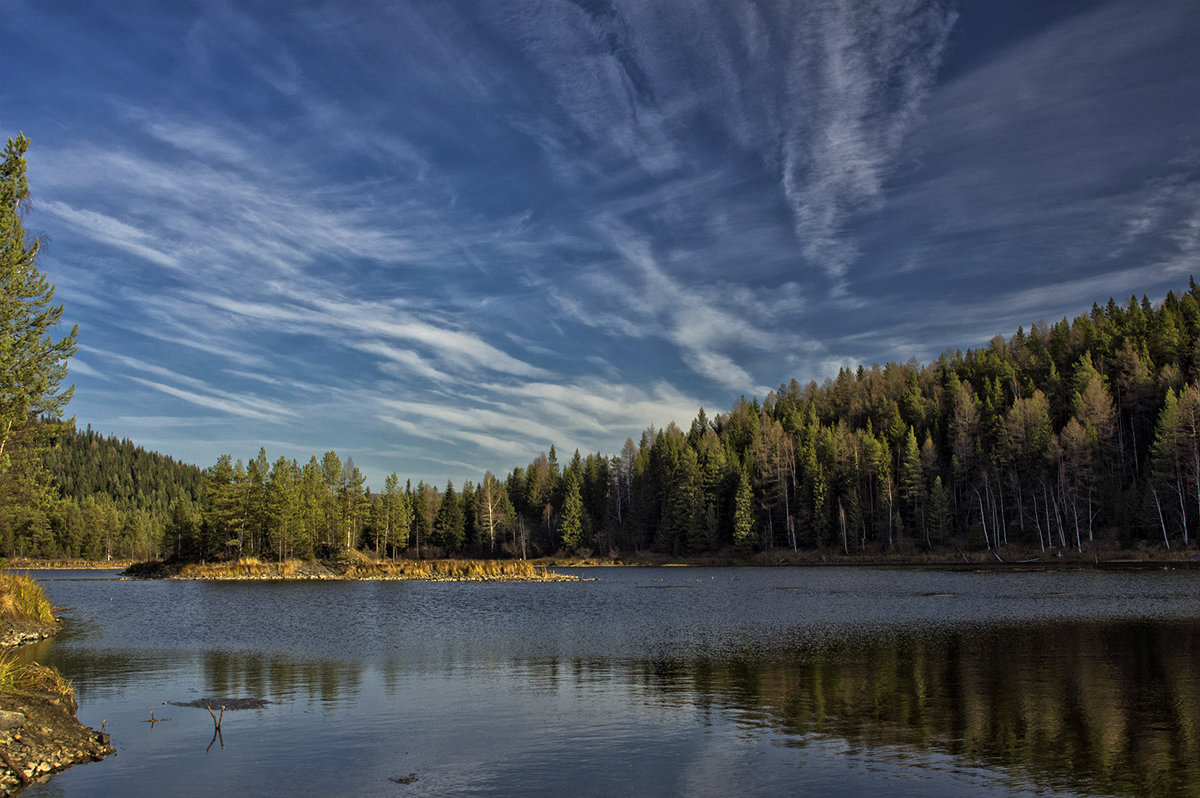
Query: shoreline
[359, 567]
[29, 564]
[1002, 557]
[39, 732]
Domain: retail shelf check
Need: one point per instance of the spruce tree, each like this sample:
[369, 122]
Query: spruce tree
[571, 525]
[448, 526]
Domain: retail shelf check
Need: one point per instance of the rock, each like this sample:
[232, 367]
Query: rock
[11, 720]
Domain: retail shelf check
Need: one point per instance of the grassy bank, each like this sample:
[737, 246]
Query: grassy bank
[29, 677]
[23, 604]
[453, 570]
[41, 734]
[22, 600]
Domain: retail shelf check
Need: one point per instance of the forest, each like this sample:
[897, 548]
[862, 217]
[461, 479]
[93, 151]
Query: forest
[1082, 435]
[107, 499]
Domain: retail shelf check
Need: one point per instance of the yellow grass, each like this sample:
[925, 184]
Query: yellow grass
[23, 598]
[363, 567]
[468, 570]
[25, 563]
[19, 677]
[245, 568]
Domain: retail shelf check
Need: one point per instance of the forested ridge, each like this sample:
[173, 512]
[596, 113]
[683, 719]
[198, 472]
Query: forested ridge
[1080, 435]
[109, 498]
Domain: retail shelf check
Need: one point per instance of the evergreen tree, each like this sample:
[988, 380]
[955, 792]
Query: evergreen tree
[448, 525]
[32, 364]
[32, 368]
[743, 514]
[571, 523]
[183, 528]
[912, 484]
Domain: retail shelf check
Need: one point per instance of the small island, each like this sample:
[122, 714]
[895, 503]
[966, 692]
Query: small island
[351, 565]
[39, 733]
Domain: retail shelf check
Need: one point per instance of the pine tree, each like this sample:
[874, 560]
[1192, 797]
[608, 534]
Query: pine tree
[32, 368]
[32, 364]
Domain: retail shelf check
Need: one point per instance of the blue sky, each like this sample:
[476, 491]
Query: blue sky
[437, 237]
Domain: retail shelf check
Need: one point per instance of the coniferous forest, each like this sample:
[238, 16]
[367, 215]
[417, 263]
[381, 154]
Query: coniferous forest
[1082, 435]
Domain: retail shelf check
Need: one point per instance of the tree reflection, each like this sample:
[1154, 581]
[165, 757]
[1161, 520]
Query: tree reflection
[1096, 708]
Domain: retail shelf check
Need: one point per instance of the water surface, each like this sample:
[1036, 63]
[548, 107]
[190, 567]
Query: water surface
[648, 681]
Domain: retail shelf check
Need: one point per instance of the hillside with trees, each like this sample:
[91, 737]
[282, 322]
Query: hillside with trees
[112, 499]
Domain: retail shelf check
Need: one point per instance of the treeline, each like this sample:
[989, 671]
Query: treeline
[1073, 435]
[105, 498]
[1070, 435]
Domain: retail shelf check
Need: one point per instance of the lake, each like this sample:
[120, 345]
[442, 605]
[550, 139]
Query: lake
[640, 681]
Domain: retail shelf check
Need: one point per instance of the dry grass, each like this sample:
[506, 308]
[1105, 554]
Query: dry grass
[359, 566]
[20, 677]
[23, 598]
[25, 563]
[245, 568]
[447, 570]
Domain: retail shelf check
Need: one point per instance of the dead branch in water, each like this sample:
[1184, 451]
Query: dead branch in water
[216, 729]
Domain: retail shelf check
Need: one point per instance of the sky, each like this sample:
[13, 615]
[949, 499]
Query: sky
[439, 236]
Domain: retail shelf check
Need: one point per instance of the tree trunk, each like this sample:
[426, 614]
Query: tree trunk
[1162, 523]
[983, 520]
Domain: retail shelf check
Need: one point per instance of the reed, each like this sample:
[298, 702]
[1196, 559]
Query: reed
[22, 598]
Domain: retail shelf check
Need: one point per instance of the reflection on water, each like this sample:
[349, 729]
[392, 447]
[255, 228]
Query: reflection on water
[1107, 708]
[747, 681]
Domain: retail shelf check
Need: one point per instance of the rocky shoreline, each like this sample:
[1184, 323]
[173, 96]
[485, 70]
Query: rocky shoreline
[39, 733]
[15, 633]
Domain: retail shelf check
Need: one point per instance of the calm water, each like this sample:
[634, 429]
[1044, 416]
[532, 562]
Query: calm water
[642, 682]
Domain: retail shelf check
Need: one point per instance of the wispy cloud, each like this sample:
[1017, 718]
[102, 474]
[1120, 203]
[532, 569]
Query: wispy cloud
[112, 232]
[196, 391]
[383, 320]
[247, 407]
[857, 77]
[824, 94]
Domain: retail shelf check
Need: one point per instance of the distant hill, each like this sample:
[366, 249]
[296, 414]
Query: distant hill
[110, 498]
